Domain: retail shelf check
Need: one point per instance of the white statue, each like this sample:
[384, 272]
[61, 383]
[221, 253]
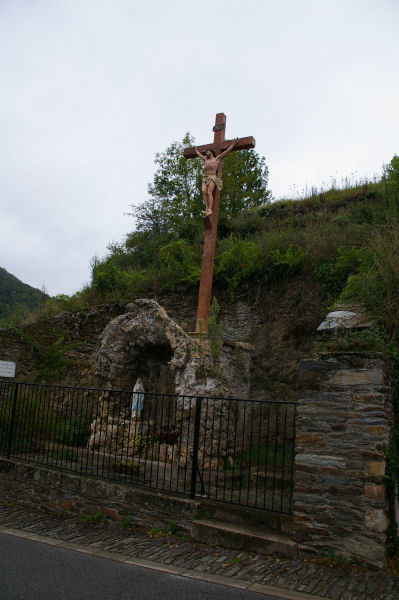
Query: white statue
[137, 399]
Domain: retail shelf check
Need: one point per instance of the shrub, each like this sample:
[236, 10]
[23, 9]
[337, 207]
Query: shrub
[333, 273]
[75, 430]
[376, 284]
[290, 258]
[37, 421]
[181, 262]
[237, 260]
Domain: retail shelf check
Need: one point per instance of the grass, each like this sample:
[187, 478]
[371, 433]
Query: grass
[202, 513]
[237, 560]
[333, 559]
[126, 522]
[158, 531]
[97, 517]
[172, 527]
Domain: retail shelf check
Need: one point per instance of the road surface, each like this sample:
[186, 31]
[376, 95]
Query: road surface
[31, 570]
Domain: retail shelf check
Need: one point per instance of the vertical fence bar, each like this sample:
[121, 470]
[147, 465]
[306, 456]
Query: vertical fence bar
[187, 439]
[292, 457]
[179, 441]
[226, 458]
[197, 424]
[14, 405]
[283, 460]
[266, 457]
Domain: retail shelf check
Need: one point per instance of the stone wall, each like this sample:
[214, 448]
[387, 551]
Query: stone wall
[344, 420]
[23, 484]
[80, 330]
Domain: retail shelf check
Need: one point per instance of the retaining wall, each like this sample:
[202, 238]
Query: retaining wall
[61, 492]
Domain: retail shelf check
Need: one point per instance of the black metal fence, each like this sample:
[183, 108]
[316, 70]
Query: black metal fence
[235, 451]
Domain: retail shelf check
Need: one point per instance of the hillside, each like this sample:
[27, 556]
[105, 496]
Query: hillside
[334, 245]
[278, 270]
[337, 245]
[14, 292]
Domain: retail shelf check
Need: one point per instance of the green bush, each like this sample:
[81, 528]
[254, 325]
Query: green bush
[181, 262]
[333, 273]
[37, 422]
[74, 430]
[376, 284]
[237, 260]
[290, 258]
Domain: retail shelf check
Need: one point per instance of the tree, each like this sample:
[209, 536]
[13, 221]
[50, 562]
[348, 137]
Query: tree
[174, 195]
[175, 205]
[245, 178]
[164, 251]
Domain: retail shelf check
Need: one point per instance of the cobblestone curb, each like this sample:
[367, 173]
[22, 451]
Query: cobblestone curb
[292, 579]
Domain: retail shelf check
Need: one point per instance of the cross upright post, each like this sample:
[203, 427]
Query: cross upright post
[220, 144]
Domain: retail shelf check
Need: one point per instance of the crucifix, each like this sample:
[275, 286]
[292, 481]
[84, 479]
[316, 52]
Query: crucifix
[211, 186]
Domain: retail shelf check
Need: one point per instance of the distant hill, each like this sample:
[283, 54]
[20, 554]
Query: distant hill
[13, 292]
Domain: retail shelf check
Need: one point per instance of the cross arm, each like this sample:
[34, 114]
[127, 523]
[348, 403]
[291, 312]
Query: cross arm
[243, 144]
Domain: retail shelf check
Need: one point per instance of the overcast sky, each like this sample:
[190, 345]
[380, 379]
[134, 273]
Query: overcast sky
[90, 90]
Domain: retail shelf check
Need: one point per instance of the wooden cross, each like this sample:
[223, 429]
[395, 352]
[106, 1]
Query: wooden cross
[211, 221]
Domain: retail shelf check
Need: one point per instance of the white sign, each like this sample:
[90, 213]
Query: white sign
[7, 369]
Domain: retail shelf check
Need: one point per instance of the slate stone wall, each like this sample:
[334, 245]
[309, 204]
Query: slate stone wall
[343, 429]
[80, 330]
[60, 492]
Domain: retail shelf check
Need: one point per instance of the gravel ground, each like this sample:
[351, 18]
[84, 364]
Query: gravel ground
[319, 578]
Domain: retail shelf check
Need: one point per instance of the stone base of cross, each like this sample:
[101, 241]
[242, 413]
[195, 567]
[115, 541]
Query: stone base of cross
[220, 144]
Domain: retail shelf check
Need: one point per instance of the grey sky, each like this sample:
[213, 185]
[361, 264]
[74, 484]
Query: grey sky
[90, 90]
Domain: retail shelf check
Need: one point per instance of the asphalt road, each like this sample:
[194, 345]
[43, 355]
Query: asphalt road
[31, 570]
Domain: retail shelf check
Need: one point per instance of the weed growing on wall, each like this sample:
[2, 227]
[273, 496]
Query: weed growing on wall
[372, 339]
[215, 329]
[53, 359]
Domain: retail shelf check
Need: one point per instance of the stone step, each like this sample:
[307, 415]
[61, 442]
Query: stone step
[243, 537]
[244, 515]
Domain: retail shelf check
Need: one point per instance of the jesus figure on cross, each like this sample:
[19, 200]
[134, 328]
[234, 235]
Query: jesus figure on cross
[212, 155]
[210, 178]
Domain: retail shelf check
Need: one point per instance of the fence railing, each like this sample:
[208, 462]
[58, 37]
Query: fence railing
[235, 451]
